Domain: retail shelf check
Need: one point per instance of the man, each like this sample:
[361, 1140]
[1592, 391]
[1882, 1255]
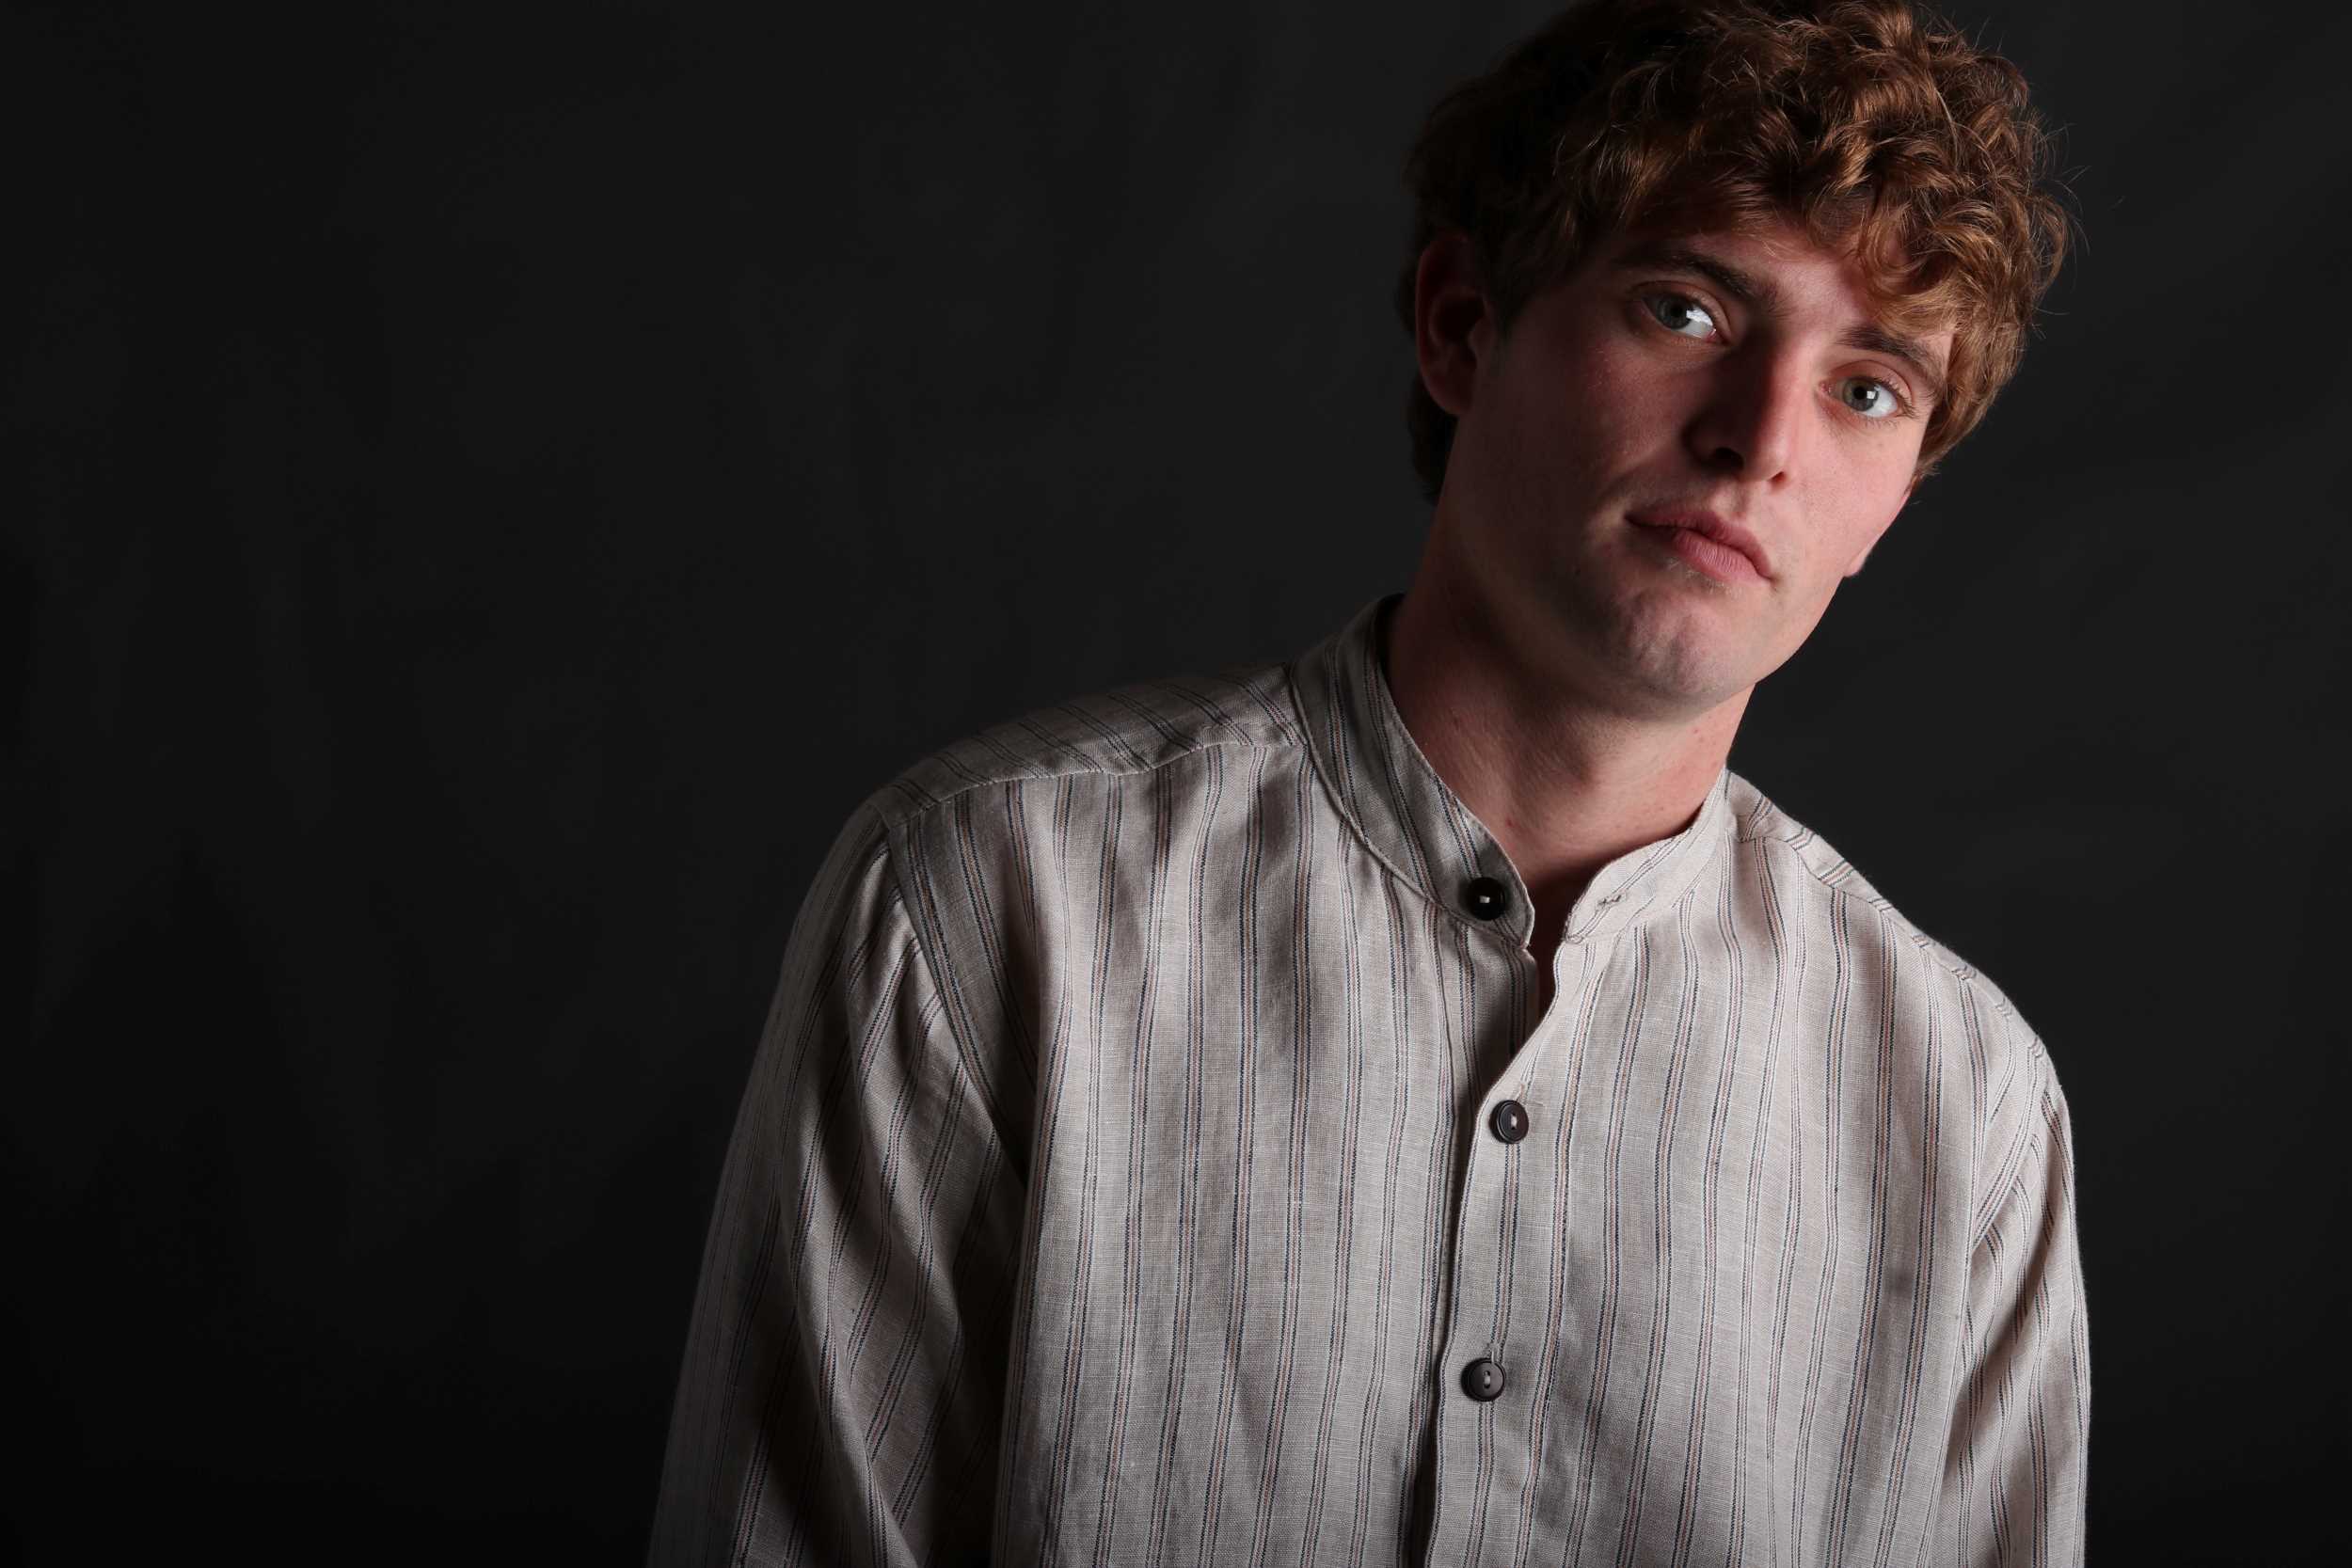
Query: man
[1416, 1103]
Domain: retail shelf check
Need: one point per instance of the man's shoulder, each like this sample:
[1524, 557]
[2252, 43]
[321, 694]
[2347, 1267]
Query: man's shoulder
[1824, 876]
[1118, 732]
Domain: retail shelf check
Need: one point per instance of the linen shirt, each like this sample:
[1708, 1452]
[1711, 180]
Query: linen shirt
[1126, 1176]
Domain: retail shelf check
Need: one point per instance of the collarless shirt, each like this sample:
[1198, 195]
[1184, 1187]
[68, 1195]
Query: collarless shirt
[1158, 1151]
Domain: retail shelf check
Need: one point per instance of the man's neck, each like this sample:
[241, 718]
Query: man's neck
[1565, 785]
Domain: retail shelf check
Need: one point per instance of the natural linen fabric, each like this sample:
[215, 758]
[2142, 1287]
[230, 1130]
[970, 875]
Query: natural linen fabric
[1116, 1183]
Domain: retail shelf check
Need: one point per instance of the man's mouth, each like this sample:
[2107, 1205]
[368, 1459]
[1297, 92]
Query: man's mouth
[1718, 546]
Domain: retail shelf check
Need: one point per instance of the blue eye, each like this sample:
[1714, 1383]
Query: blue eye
[1888, 402]
[1680, 310]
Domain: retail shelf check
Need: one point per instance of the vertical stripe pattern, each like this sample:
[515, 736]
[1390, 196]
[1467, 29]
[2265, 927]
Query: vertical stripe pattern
[1115, 1183]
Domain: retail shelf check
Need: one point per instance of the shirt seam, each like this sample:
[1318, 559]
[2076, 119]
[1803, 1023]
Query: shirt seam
[963, 1055]
[1949, 961]
[2032, 1143]
[917, 814]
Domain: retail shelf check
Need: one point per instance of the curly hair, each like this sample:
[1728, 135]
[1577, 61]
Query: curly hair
[1875, 127]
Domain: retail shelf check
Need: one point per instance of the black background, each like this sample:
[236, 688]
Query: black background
[488, 488]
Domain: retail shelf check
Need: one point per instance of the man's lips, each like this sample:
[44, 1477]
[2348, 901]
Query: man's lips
[1718, 531]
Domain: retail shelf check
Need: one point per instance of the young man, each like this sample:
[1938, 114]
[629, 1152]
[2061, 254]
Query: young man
[1416, 1103]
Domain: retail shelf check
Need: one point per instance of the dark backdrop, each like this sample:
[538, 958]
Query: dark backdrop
[488, 488]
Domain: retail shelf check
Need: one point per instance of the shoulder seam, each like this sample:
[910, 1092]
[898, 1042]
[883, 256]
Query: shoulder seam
[1945, 958]
[918, 810]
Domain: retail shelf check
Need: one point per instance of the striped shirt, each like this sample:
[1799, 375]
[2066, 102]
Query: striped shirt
[1159, 1152]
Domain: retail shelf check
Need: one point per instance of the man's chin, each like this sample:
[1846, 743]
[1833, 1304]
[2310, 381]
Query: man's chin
[1670, 675]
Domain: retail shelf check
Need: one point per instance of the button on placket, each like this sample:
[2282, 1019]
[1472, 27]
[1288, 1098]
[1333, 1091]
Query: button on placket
[1485, 898]
[1508, 1121]
[1482, 1380]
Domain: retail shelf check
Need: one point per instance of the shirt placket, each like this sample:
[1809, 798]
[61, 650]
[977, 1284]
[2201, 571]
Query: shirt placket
[1490, 1343]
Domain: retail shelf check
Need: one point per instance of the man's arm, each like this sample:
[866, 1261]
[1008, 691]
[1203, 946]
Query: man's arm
[843, 1376]
[2014, 1471]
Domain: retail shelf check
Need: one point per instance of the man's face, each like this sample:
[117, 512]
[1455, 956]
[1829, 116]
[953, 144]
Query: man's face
[1737, 372]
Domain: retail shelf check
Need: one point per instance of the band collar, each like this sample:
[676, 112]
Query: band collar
[1416, 824]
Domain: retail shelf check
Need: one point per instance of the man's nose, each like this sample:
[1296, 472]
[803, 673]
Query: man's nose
[1752, 421]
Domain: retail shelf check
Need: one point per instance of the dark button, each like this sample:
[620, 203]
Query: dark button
[1485, 898]
[1509, 1120]
[1482, 1380]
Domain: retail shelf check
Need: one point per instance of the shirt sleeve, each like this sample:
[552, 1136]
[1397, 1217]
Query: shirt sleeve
[2013, 1474]
[840, 1395]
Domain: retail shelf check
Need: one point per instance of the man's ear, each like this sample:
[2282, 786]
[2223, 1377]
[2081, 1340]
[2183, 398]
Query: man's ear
[1452, 326]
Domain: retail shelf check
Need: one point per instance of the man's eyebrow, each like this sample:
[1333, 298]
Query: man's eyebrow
[1758, 294]
[1873, 339]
